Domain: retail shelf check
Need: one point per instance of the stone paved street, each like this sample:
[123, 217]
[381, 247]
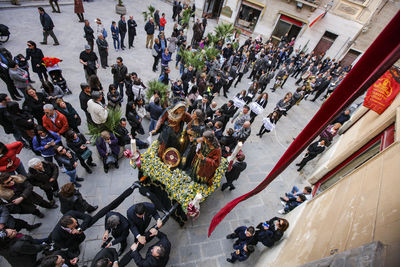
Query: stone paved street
[190, 245]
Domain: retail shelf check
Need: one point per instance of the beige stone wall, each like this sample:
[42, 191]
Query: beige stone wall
[361, 208]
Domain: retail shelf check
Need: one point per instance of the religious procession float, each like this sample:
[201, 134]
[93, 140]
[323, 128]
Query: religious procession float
[183, 166]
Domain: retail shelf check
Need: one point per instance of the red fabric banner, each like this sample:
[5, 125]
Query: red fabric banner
[380, 56]
[315, 20]
[382, 93]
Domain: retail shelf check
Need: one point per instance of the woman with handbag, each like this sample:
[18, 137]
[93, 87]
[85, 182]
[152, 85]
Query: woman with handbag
[78, 143]
[70, 113]
[71, 199]
[70, 162]
[34, 102]
[108, 148]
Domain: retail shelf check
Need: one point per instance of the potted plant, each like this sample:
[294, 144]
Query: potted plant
[113, 117]
[155, 85]
[149, 13]
[120, 8]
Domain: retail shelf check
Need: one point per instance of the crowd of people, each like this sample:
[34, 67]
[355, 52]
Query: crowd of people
[42, 121]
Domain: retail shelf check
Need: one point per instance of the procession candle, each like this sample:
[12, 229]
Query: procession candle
[133, 147]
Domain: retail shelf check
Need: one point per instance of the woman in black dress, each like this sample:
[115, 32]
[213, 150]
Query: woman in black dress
[34, 103]
[36, 56]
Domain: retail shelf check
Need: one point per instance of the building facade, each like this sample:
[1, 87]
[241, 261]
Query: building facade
[344, 30]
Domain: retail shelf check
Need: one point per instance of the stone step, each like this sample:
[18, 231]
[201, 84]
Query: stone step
[6, 4]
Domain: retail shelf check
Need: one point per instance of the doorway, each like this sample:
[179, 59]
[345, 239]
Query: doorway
[325, 43]
[287, 25]
[212, 8]
[349, 58]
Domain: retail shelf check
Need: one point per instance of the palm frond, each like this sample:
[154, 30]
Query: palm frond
[114, 115]
[155, 85]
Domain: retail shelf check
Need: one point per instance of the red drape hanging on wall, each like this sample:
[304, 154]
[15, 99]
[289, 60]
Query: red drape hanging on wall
[382, 54]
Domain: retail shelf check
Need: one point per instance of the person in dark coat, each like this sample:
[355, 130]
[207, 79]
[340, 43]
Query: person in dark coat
[119, 72]
[44, 174]
[343, 117]
[5, 120]
[149, 29]
[228, 110]
[139, 216]
[22, 121]
[242, 252]
[34, 103]
[78, 143]
[70, 162]
[17, 190]
[84, 96]
[243, 234]
[48, 27]
[118, 226]
[157, 18]
[102, 46]
[108, 148]
[155, 111]
[133, 118]
[292, 203]
[36, 56]
[271, 231]
[71, 199]
[68, 233]
[5, 58]
[89, 34]
[234, 173]
[122, 30]
[19, 249]
[321, 87]
[89, 60]
[105, 257]
[313, 150]
[131, 31]
[124, 137]
[9, 222]
[70, 113]
[157, 254]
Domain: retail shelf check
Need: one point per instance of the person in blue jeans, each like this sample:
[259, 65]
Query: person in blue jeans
[44, 142]
[70, 162]
[241, 253]
[115, 35]
[296, 191]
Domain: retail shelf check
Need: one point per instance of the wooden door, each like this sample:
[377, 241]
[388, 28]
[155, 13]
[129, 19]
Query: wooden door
[349, 58]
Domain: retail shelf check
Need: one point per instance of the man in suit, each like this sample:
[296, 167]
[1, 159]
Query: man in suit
[157, 255]
[319, 89]
[122, 30]
[204, 105]
[107, 257]
[312, 151]
[228, 110]
[234, 173]
[118, 226]
[68, 233]
[131, 31]
[139, 217]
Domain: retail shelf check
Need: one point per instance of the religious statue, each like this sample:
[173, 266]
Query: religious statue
[194, 131]
[170, 127]
[206, 159]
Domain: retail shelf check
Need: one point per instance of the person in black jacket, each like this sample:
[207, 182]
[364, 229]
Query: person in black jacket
[124, 138]
[17, 190]
[70, 113]
[36, 56]
[157, 254]
[58, 259]
[107, 257]
[71, 199]
[22, 121]
[271, 231]
[321, 87]
[77, 142]
[234, 173]
[118, 226]
[48, 27]
[89, 34]
[131, 31]
[102, 46]
[34, 103]
[5, 58]
[119, 72]
[5, 119]
[262, 100]
[70, 162]
[19, 249]
[149, 28]
[122, 30]
[84, 96]
[139, 216]
[9, 222]
[133, 118]
[68, 233]
[44, 174]
[312, 151]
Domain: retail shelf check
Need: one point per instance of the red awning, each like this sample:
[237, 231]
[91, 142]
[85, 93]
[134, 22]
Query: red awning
[291, 20]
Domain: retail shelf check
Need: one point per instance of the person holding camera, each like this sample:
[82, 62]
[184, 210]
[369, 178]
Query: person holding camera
[70, 162]
[77, 142]
[68, 234]
[44, 174]
[89, 60]
[119, 71]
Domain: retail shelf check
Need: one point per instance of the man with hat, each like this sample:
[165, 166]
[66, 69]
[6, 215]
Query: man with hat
[89, 60]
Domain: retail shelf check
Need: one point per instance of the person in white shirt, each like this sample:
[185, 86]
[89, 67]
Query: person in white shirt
[97, 110]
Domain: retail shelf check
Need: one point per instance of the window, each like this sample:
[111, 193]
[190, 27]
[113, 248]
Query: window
[248, 16]
[372, 148]
[288, 25]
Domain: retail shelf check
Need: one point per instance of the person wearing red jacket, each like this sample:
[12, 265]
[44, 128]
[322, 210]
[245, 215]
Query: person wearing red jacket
[54, 121]
[9, 162]
[163, 21]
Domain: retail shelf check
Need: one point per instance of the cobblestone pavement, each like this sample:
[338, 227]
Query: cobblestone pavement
[190, 245]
